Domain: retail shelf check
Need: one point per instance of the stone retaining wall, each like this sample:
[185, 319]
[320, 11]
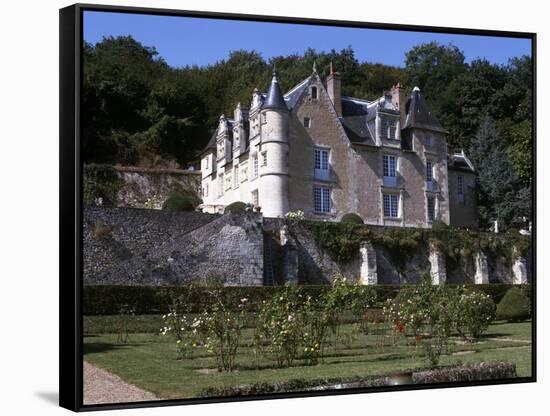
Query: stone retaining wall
[154, 247]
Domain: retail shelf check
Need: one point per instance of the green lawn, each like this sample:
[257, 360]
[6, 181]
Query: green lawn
[148, 360]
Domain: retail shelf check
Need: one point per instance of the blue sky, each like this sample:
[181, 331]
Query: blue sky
[197, 41]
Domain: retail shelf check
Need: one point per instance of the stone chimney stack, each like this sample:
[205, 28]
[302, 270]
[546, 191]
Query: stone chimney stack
[334, 89]
[399, 100]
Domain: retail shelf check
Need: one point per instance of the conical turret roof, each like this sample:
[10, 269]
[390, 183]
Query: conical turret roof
[419, 115]
[274, 97]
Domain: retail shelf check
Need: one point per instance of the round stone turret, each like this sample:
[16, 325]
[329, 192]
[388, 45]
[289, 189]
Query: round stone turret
[273, 157]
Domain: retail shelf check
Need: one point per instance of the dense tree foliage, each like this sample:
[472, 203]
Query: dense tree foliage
[137, 110]
[501, 192]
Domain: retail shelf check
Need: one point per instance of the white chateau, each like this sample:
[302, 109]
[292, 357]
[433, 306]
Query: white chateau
[325, 154]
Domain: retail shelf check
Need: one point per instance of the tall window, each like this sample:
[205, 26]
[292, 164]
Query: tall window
[307, 122]
[460, 187]
[391, 205]
[321, 164]
[429, 171]
[255, 166]
[255, 198]
[206, 163]
[236, 176]
[428, 141]
[220, 184]
[313, 93]
[389, 165]
[431, 208]
[389, 128]
[321, 199]
[205, 191]
[264, 158]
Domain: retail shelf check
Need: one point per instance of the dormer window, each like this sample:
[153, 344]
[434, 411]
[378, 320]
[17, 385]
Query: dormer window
[313, 93]
[389, 128]
[428, 141]
[221, 150]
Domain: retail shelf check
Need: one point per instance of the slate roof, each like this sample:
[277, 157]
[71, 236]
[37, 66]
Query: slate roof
[419, 115]
[274, 97]
[459, 161]
[292, 96]
[212, 142]
[356, 115]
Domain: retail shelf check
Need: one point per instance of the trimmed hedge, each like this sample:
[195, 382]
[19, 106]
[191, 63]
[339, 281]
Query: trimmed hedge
[236, 207]
[473, 372]
[457, 374]
[352, 219]
[294, 385]
[498, 290]
[108, 300]
[515, 306]
[178, 201]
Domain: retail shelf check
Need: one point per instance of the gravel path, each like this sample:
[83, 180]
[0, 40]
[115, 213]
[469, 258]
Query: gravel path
[100, 386]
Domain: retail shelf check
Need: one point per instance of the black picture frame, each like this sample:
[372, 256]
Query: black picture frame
[70, 214]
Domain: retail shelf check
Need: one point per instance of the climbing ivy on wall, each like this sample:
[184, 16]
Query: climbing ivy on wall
[342, 241]
[101, 184]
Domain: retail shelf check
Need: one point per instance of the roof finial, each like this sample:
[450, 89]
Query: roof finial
[274, 73]
[331, 69]
[314, 67]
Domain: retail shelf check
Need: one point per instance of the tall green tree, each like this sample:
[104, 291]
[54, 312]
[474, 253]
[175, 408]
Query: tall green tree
[502, 196]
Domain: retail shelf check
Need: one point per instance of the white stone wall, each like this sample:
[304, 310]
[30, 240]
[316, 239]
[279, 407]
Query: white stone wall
[273, 189]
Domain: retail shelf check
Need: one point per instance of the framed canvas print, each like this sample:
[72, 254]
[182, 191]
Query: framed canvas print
[257, 207]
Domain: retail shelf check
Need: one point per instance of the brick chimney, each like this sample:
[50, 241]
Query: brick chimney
[334, 89]
[399, 100]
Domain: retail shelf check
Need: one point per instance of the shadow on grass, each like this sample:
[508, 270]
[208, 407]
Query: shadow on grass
[99, 347]
[496, 335]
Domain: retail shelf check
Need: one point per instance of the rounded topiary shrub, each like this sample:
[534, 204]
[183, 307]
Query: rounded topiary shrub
[515, 306]
[237, 207]
[352, 219]
[178, 201]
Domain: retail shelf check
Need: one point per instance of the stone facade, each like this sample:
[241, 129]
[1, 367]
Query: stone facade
[462, 195]
[328, 155]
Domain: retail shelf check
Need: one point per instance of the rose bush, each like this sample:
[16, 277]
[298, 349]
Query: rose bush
[475, 312]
